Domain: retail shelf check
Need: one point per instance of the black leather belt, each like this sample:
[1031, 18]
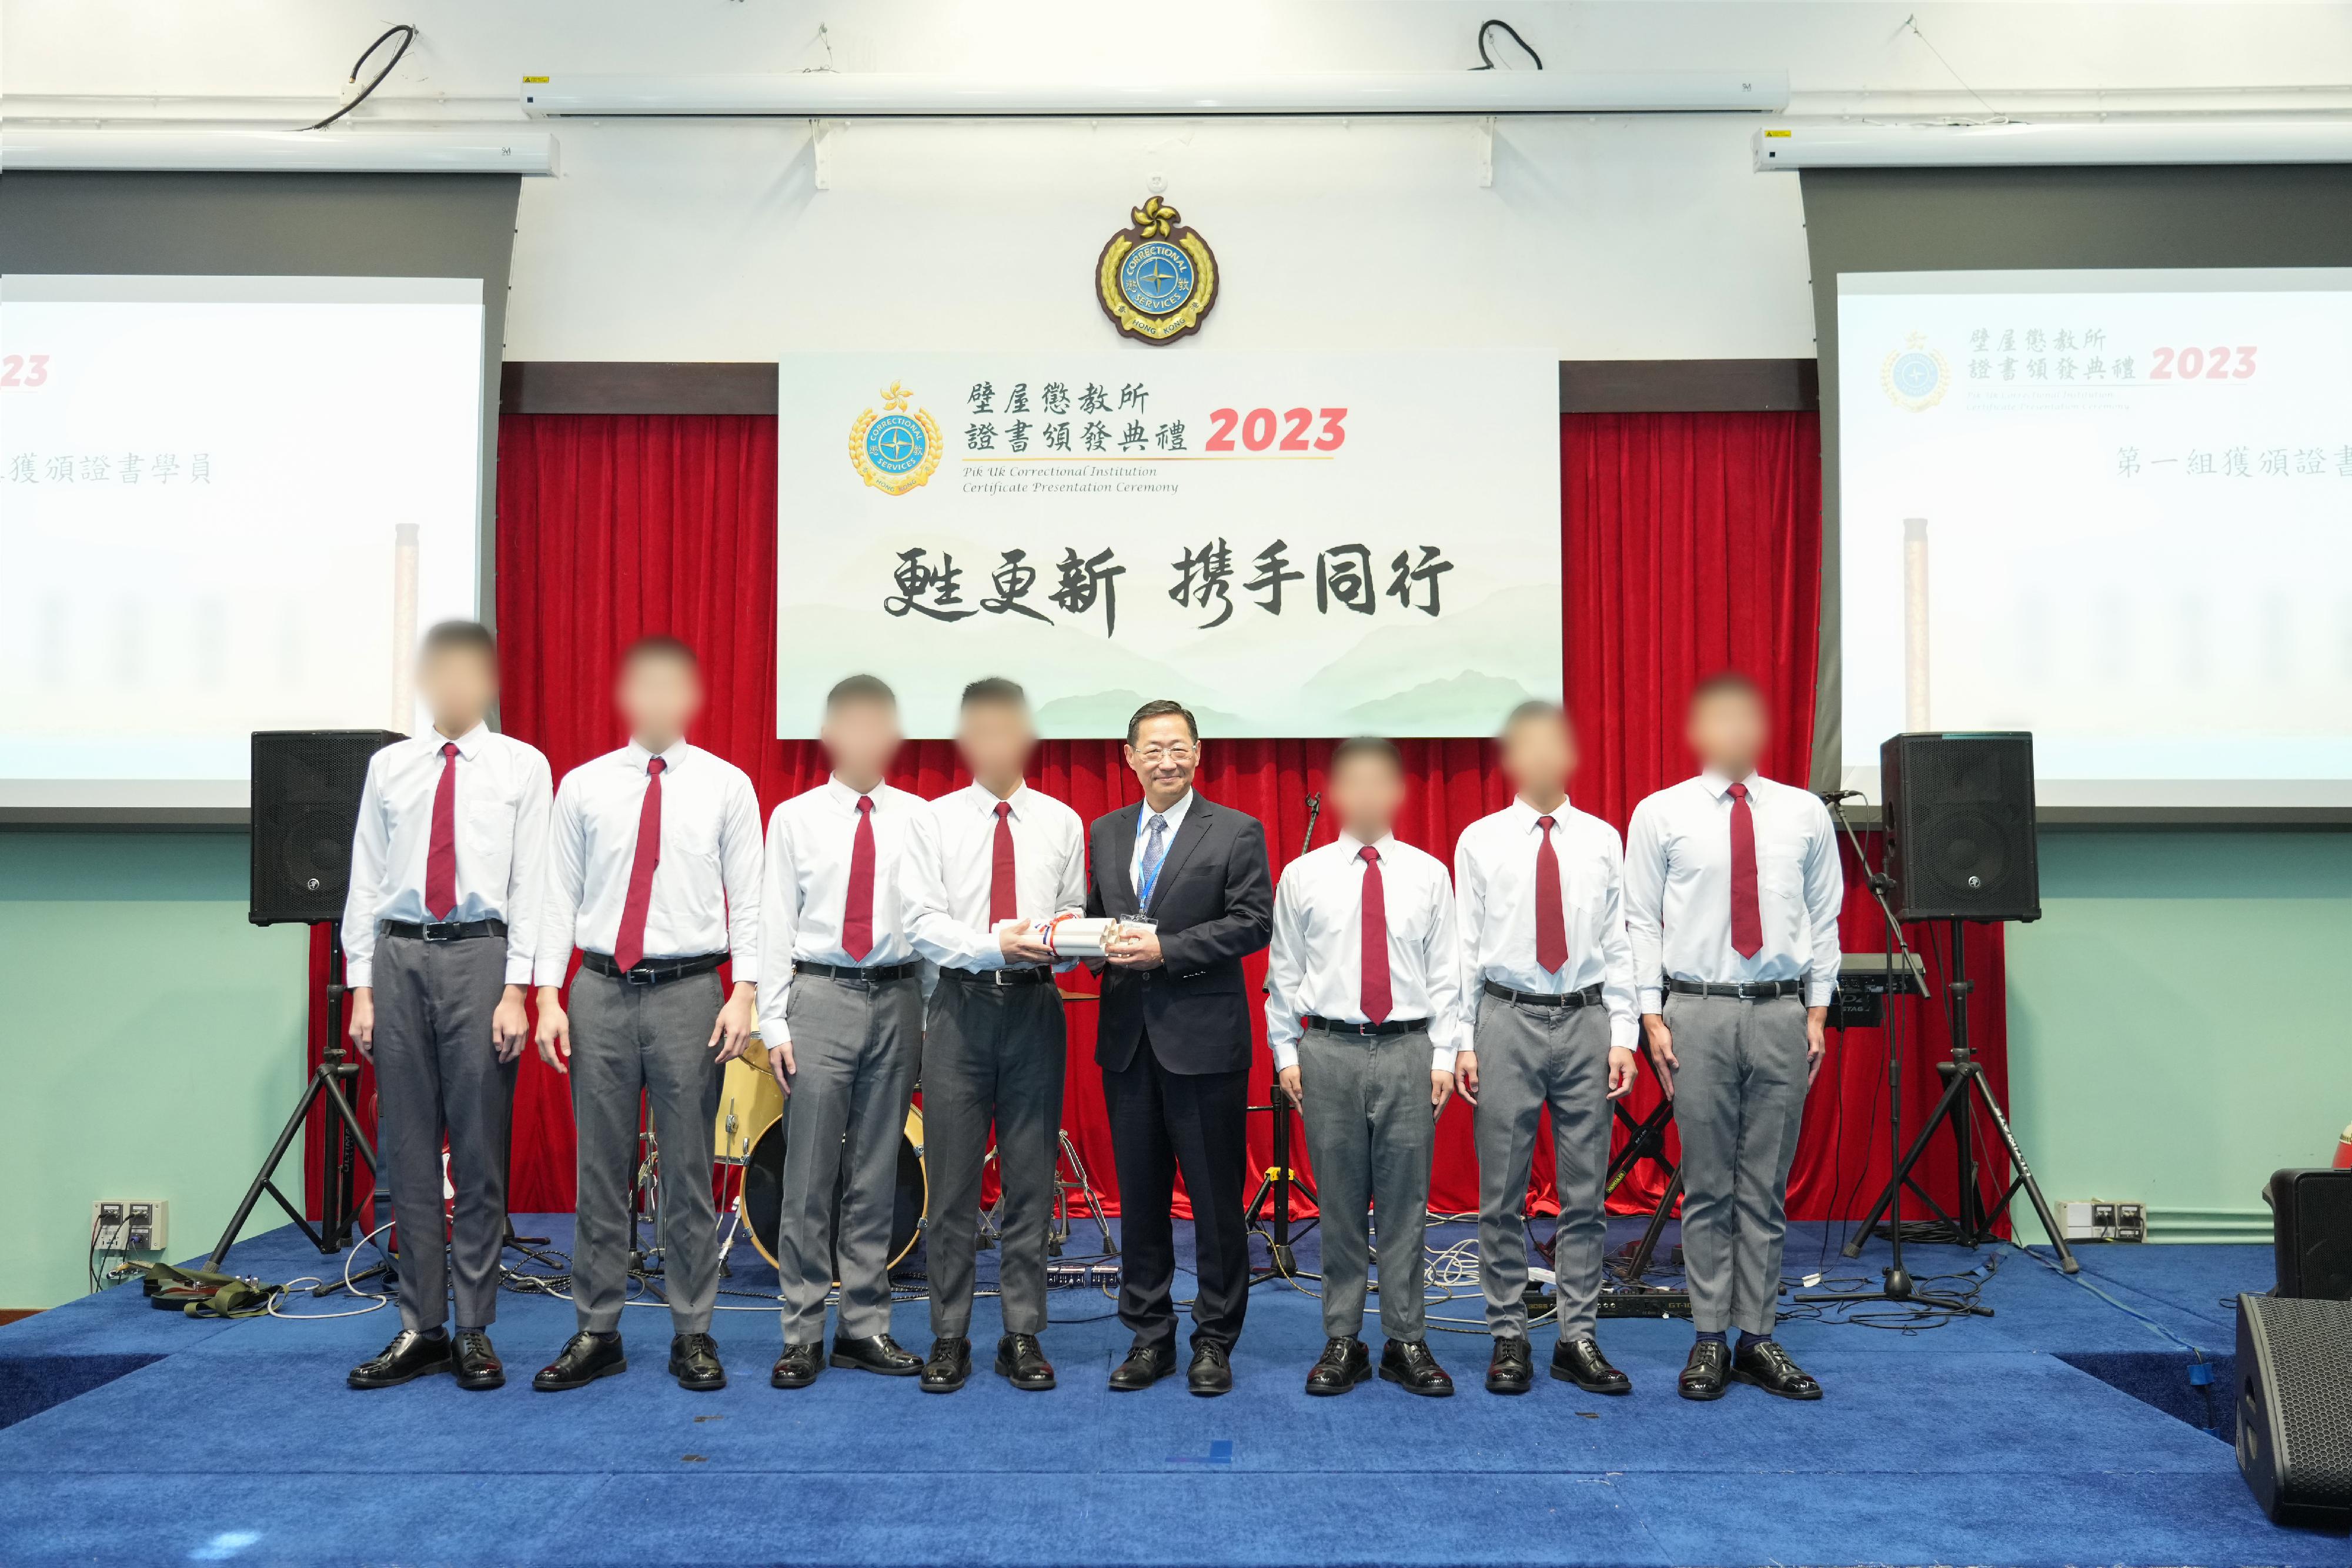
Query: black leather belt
[652, 971]
[442, 930]
[1746, 991]
[1393, 1026]
[1025, 975]
[1587, 997]
[876, 976]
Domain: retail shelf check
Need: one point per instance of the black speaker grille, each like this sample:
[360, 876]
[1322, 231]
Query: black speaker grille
[2308, 1380]
[1959, 825]
[306, 801]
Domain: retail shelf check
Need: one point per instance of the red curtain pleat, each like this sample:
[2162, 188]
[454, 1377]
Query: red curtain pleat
[1690, 543]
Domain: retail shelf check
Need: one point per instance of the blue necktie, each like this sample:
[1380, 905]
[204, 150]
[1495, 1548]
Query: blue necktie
[1155, 847]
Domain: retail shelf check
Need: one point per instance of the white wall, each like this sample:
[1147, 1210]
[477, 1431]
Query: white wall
[1600, 238]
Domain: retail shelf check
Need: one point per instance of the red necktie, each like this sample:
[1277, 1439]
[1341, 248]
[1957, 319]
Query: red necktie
[629, 948]
[858, 914]
[441, 850]
[1747, 915]
[1377, 996]
[1002, 902]
[1551, 914]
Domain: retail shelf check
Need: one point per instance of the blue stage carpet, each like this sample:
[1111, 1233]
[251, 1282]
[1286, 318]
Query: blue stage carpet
[136, 1436]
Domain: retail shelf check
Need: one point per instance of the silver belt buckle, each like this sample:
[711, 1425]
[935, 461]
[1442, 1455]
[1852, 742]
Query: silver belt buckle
[447, 929]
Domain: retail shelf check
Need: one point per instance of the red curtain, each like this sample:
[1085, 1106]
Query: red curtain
[1690, 543]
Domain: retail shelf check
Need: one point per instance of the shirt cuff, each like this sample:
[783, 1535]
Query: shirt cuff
[1654, 999]
[1441, 1058]
[1819, 994]
[1285, 1053]
[359, 972]
[518, 969]
[1624, 1035]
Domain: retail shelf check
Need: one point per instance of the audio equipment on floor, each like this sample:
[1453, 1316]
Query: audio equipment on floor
[2295, 1408]
[1959, 826]
[2311, 1232]
[306, 801]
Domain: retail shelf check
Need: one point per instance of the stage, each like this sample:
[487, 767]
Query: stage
[135, 1435]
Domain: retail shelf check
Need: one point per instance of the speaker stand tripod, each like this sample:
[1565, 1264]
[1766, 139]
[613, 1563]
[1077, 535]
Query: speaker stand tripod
[1274, 1192]
[1965, 1092]
[342, 1143]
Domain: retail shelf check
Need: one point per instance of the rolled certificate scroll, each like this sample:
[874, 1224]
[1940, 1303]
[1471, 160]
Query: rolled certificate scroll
[1077, 937]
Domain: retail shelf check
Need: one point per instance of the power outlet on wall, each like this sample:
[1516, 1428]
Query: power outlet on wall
[132, 1225]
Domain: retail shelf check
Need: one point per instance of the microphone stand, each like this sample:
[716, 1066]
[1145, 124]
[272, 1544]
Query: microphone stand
[1899, 1286]
[1279, 1178]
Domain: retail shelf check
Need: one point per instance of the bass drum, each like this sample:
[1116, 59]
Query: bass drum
[763, 1187]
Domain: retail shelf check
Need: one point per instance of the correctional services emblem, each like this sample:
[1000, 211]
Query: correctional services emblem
[897, 450]
[1915, 375]
[1156, 278]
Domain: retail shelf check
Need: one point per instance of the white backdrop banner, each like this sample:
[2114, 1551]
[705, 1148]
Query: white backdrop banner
[1290, 544]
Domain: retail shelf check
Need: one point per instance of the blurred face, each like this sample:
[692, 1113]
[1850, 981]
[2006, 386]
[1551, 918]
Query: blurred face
[458, 686]
[1726, 732]
[995, 739]
[659, 695]
[861, 735]
[1367, 791]
[1163, 754]
[1539, 756]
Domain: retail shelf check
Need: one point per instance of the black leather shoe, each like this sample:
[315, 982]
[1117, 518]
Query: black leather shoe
[1145, 1365]
[1344, 1363]
[1769, 1368]
[1579, 1361]
[875, 1352]
[1408, 1364]
[694, 1362]
[1021, 1360]
[949, 1364]
[1512, 1369]
[409, 1356]
[1703, 1373]
[479, 1367]
[583, 1360]
[1211, 1371]
[798, 1366]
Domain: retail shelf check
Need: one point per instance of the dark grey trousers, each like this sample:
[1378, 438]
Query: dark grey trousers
[855, 1045]
[1530, 1058]
[990, 1054]
[1739, 1099]
[1370, 1133]
[655, 1040]
[438, 1071]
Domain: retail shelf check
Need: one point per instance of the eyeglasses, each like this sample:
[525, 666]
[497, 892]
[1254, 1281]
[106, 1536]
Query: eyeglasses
[1175, 753]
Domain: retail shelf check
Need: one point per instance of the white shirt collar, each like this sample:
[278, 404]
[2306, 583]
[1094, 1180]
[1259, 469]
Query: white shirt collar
[639, 756]
[470, 745]
[1716, 783]
[1175, 813]
[848, 798]
[1529, 816]
[1352, 847]
[983, 801]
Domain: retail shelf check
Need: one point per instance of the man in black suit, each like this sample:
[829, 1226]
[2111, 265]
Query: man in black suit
[1174, 1041]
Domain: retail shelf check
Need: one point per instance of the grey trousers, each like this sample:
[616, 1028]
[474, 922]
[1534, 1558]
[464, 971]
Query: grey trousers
[1739, 1098]
[1530, 1058]
[1370, 1133]
[654, 1039]
[855, 1045]
[990, 1053]
[436, 1070]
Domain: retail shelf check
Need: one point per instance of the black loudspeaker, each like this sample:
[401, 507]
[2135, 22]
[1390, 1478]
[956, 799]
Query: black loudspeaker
[2310, 1231]
[306, 801]
[1959, 826]
[2295, 1408]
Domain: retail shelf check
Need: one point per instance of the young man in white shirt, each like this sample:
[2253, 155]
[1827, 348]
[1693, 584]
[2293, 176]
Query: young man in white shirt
[437, 938]
[1547, 982]
[654, 869]
[841, 1009]
[986, 868]
[1362, 1011]
[1732, 894]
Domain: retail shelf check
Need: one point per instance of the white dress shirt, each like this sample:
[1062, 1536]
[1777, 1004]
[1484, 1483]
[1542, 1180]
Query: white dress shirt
[1678, 888]
[1175, 815]
[500, 812]
[706, 894]
[1315, 963]
[950, 866]
[1494, 883]
[810, 839]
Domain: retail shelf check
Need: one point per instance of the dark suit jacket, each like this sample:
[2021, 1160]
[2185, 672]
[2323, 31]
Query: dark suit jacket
[1214, 904]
